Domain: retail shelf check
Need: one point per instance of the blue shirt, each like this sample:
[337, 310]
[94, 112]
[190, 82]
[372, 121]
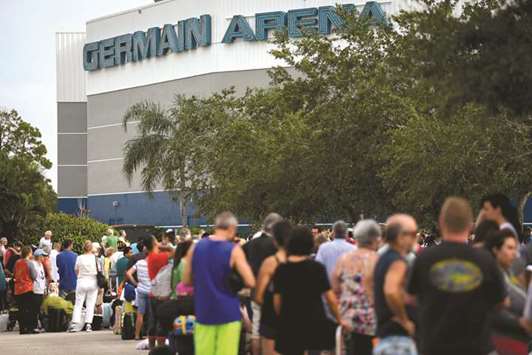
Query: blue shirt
[215, 303]
[330, 252]
[66, 262]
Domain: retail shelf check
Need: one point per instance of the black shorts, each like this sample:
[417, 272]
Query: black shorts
[267, 331]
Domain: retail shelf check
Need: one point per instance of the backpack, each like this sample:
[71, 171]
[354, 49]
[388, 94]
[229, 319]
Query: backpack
[128, 326]
[161, 286]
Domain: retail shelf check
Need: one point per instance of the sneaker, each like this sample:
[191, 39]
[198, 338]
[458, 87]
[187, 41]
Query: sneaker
[88, 328]
[73, 328]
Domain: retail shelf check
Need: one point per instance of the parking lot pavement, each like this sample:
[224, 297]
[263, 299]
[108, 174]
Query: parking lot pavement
[96, 343]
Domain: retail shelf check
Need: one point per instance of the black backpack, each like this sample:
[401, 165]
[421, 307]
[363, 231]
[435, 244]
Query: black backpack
[56, 321]
[128, 326]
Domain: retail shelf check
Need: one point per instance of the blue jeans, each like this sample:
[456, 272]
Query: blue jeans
[395, 345]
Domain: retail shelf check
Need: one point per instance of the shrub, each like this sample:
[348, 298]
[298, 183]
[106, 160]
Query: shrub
[79, 229]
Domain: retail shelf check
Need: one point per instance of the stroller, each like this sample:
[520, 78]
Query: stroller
[11, 306]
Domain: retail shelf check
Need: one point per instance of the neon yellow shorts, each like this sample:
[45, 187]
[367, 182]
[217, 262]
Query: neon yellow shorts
[220, 339]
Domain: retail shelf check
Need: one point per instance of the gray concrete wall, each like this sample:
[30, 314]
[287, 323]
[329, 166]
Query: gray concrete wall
[71, 149]
[106, 137]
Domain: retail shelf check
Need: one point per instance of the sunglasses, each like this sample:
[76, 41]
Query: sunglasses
[412, 234]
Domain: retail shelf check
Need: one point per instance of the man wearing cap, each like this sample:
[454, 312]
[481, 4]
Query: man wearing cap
[39, 285]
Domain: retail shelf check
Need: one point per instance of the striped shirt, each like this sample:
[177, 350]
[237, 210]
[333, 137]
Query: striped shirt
[144, 285]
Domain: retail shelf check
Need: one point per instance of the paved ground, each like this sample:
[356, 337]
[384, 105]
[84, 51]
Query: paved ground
[96, 343]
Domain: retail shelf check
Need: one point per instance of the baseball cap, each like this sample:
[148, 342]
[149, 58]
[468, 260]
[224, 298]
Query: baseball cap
[40, 252]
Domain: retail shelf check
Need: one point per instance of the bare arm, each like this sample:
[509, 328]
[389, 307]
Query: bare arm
[239, 261]
[394, 293]
[129, 276]
[332, 301]
[264, 278]
[187, 273]
[277, 302]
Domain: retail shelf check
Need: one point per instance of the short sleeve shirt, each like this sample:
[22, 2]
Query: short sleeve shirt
[302, 322]
[457, 286]
[156, 261]
[144, 284]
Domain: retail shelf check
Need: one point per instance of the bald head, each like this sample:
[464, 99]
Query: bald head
[401, 231]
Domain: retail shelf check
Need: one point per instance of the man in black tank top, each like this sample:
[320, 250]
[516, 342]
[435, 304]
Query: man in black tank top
[394, 328]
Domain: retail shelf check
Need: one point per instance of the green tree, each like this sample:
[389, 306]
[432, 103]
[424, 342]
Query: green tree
[26, 196]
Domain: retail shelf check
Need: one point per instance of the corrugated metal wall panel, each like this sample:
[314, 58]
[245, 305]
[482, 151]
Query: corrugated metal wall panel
[71, 78]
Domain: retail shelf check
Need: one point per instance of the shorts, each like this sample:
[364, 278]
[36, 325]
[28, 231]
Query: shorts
[217, 339]
[255, 326]
[142, 302]
[267, 331]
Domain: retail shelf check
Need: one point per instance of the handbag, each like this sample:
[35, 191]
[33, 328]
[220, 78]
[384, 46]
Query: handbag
[100, 278]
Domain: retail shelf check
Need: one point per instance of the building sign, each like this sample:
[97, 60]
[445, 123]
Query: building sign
[196, 32]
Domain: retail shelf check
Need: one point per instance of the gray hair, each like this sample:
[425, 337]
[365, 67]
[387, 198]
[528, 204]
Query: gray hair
[225, 220]
[366, 232]
[340, 229]
[270, 221]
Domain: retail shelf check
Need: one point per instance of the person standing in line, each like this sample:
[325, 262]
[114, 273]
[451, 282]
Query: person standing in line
[39, 285]
[498, 207]
[86, 288]
[507, 322]
[53, 261]
[156, 258]
[46, 240]
[394, 327]
[110, 240]
[121, 265]
[142, 285]
[3, 249]
[257, 250]
[352, 281]
[457, 287]
[3, 290]
[24, 291]
[264, 292]
[329, 252]
[299, 286]
[12, 255]
[66, 262]
[209, 266]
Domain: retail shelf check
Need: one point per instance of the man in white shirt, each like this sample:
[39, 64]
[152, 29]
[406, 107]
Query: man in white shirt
[46, 240]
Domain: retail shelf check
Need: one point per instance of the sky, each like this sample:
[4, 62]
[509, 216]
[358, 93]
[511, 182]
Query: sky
[27, 56]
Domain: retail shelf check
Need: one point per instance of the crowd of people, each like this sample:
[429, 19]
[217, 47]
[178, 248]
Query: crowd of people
[372, 289]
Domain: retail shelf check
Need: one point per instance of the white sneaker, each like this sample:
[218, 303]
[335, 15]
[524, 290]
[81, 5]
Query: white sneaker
[88, 328]
[73, 328]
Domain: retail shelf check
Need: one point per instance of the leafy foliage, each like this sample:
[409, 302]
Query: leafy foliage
[368, 121]
[79, 229]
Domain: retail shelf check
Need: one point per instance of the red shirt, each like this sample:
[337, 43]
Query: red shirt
[23, 280]
[156, 261]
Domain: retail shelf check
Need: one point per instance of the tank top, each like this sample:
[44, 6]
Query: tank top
[268, 316]
[215, 303]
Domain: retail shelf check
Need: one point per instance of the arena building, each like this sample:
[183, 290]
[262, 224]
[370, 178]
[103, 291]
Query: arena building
[155, 52]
